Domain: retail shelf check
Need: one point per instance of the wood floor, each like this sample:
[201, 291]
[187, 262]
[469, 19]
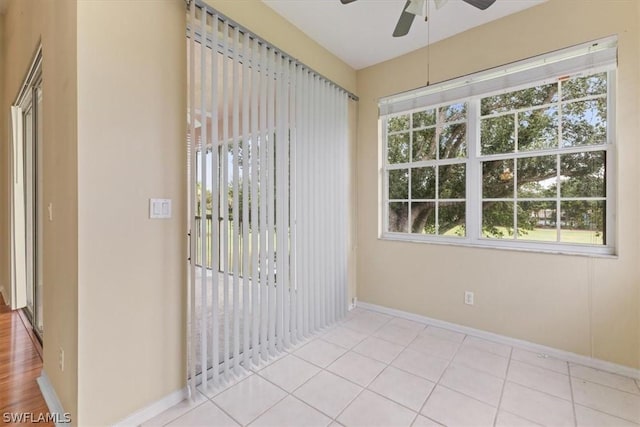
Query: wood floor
[20, 365]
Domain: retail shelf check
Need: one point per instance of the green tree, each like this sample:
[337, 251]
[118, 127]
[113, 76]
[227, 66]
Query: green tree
[208, 199]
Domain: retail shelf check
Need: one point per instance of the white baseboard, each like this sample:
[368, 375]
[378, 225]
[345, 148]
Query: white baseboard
[153, 409]
[51, 398]
[538, 348]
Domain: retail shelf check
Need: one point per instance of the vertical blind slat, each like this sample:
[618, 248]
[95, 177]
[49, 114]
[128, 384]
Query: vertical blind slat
[270, 204]
[245, 198]
[202, 212]
[235, 197]
[255, 230]
[191, 211]
[278, 199]
[264, 288]
[215, 206]
[306, 126]
[290, 206]
[312, 256]
[224, 197]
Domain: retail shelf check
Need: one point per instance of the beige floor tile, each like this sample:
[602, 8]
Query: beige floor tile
[422, 421]
[396, 334]
[488, 346]
[455, 409]
[605, 378]
[423, 365]
[587, 417]
[364, 325]
[175, 411]
[357, 368]
[541, 360]
[505, 419]
[206, 414]
[536, 406]
[291, 412]
[230, 380]
[371, 410]
[481, 360]
[404, 388]
[474, 383]
[249, 398]
[443, 333]
[434, 346]
[606, 399]
[407, 324]
[344, 337]
[328, 393]
[320, 352]
[540, 379]
[379, 349]
[289, 372]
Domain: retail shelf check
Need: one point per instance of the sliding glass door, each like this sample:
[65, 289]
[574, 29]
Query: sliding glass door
[27, 201]
[267, 139]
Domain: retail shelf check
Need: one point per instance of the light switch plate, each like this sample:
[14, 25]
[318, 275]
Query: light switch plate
[159, 208]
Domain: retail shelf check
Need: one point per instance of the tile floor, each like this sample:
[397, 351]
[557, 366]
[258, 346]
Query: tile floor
[378, 370]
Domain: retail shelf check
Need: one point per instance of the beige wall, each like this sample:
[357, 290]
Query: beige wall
[589, 306]
[26, 23]
[5, 177]
[131, 147]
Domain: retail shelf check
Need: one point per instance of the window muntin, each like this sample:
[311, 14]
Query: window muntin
[539, 160]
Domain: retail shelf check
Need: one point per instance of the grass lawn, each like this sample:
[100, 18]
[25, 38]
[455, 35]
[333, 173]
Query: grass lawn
[547, 235]
[230, 248]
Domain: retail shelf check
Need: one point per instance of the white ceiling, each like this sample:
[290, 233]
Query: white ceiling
[360, 33]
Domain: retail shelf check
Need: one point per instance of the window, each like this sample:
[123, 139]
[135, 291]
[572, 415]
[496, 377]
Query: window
[427, 156]
[526, 166]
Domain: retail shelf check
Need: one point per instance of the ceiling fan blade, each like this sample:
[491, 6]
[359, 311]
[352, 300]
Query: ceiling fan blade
[346, 1]
[404, 23]
[480, 4]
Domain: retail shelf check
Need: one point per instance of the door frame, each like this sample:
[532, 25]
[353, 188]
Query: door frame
[26, 199]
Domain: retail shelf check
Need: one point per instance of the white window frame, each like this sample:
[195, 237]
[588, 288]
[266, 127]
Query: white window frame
[469, 89]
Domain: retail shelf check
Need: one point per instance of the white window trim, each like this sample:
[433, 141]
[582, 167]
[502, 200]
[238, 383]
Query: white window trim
[473, 196]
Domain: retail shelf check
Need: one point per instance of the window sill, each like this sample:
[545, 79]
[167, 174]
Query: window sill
[566, 250]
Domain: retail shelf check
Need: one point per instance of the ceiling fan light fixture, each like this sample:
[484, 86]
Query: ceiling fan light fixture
[439, 3]
[417, 7]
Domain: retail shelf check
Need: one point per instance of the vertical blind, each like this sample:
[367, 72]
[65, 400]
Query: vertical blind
[268, 170]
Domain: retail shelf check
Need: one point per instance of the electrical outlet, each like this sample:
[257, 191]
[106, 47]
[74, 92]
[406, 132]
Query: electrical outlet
[468, 297]
[61, 359]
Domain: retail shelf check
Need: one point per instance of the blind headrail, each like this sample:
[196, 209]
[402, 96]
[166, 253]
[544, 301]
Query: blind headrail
[233, 24]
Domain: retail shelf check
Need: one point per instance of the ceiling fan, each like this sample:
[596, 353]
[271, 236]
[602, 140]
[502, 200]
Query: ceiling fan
[417, 7]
